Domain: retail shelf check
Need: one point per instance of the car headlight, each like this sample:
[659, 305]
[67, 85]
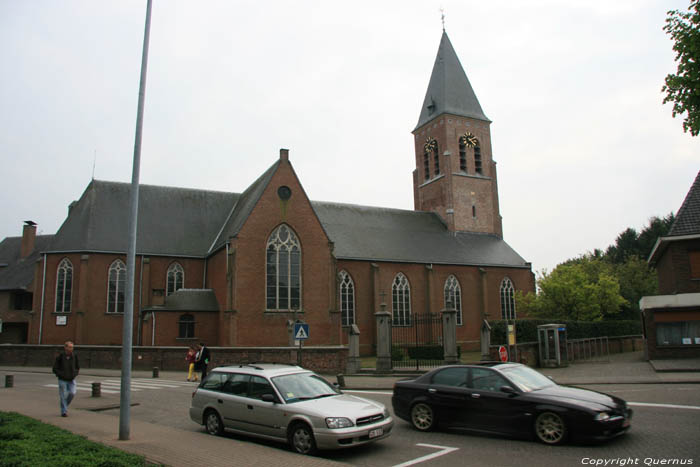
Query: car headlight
[386, 413]
[338, 422]
[602, 416]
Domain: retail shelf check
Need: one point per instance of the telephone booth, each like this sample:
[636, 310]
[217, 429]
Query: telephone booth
[552, 344]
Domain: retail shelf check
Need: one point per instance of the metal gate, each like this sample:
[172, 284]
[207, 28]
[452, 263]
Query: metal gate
[418, 343]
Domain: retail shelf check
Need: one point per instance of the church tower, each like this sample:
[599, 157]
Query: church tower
[455, 174]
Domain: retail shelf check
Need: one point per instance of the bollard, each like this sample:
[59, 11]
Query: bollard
[9, 380]
[341, 381]
[96, 389]
[155, 371]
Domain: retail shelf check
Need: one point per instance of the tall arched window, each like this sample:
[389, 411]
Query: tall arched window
[477, 159]
[176, 278]
[426, 165]
[186, 327]
[64, 286]
[283, 274]
[347, 299]
[507, 299]
[401, 301]
[453, 294]
[116, 285]
[462, 154]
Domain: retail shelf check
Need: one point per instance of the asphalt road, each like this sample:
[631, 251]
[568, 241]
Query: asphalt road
[665, 430]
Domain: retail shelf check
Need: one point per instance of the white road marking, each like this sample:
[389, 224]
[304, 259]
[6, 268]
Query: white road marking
[664, 406]
[83, 387]
[443, 450]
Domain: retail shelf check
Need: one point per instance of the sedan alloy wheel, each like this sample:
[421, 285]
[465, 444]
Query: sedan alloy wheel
[550, 428]
[422, 417]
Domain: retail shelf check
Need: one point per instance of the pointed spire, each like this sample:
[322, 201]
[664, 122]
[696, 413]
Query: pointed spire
[449, 90]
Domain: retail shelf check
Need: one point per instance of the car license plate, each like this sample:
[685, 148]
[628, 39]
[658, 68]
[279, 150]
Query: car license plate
[375, 433]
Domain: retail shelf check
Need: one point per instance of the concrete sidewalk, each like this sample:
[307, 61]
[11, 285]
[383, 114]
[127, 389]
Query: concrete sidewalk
[173, 447]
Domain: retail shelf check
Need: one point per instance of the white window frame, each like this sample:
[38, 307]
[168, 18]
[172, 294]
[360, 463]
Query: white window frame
[290, 245]
[453, 291]
[401, 301]
[178, 272]
[507, 292]
[65, 267]
[119, 268]
[346, 290]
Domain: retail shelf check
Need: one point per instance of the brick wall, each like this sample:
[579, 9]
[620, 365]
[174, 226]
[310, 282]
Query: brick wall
[331, 359]
[674, 269]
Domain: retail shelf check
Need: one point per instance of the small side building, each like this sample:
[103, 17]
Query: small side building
[672, 320]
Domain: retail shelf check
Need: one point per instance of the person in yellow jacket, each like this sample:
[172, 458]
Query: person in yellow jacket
[190, 358]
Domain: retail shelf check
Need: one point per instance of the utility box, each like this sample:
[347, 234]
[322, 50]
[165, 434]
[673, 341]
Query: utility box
[552, 344]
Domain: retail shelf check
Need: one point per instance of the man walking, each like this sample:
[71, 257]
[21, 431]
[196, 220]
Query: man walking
[202, 359]
[66, 368]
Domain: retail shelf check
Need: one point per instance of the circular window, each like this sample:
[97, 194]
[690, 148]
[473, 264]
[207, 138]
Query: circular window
[284, 192]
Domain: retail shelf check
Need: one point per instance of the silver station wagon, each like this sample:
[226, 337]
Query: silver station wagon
[287, 403]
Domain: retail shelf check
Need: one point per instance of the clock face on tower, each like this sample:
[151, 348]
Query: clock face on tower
[431, 145]
[468, 140]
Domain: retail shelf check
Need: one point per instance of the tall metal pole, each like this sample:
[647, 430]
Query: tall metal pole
[127, 334]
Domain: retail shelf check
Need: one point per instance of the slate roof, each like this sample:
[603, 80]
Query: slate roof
[172, 221]
[449, 90]
[19, 272]
[187, 222]
[243, 207]
[687, 220]
[383, 234]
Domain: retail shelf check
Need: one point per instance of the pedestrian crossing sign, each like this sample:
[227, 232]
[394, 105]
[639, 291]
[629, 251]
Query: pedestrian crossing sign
[301, 331]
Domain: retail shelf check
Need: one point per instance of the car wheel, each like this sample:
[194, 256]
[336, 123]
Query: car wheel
[550, 428]
[213, 423]
[302, 439]
[422, 417]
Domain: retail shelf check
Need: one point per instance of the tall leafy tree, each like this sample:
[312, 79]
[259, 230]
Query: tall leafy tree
[582, 290]
[683, 87]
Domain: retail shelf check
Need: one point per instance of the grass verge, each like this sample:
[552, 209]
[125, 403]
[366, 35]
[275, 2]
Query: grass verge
[28, 442]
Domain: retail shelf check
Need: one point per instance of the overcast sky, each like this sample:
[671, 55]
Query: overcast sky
[584, 146]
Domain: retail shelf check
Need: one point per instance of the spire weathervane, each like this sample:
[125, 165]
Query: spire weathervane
[442, 13]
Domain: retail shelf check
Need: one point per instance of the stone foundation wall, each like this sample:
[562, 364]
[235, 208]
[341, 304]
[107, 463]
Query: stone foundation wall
[330, 359]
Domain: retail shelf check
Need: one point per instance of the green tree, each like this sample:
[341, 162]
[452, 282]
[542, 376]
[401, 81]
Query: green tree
[683, 87]
[582, 290]
[636, 280]
[632, 244]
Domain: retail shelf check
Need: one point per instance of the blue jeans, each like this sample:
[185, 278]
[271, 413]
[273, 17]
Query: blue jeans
[66, 392]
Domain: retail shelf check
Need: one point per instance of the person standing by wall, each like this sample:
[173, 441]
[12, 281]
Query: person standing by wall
[202, 360]
[66, 368]
[189, 358]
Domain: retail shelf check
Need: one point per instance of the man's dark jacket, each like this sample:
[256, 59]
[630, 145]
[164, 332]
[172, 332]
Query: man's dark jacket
[65, 367]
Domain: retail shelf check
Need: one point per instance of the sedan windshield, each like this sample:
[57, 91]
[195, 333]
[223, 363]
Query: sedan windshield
[303, 386]
[526, 378]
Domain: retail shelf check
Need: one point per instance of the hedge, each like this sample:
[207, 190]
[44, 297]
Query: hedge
[526, 329]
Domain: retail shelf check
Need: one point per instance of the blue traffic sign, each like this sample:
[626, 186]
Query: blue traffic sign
[301, 331]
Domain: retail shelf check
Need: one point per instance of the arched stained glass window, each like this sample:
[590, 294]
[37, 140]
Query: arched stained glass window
[116, 286]
[453, 294]
[347, 299]
[507, 299]
[176, 278]
[64, 286]
[401, 301]
[283, 271]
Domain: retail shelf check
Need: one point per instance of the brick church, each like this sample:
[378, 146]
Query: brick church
[234, 269]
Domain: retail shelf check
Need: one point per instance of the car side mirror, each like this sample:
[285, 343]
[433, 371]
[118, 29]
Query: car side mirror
[508, 390]
[269, 398]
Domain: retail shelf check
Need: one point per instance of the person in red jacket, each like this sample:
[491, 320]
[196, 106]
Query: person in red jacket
[66, 368]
